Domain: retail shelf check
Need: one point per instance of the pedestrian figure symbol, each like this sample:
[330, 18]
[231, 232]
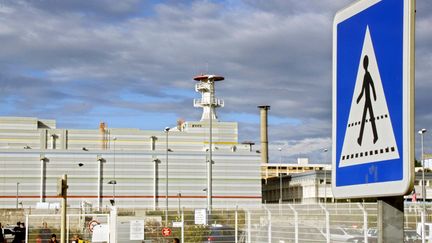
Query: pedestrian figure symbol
[369, 132]
[367, 86]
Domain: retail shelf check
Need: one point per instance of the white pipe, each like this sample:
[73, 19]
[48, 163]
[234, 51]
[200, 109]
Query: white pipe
[423, 220]
[249, 226]
[99, 191]
[236, 224]
[182, 225]
[42, 168]
[155, 173]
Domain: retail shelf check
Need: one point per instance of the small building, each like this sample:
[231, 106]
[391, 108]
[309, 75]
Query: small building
[314, 186]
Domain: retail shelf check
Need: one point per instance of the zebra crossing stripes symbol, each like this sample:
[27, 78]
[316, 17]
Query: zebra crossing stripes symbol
[369, 133]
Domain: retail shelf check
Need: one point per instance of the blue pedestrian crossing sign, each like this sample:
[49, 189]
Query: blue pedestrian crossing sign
[373, 96]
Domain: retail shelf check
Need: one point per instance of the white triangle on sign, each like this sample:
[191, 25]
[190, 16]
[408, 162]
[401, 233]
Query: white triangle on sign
[377, 141]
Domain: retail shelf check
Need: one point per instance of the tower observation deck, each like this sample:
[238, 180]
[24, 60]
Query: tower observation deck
[208, 101]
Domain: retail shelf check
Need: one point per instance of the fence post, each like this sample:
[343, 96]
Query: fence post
[113, 225]
[236, 224]
[67, 227]
[269, 229]
[296, 231]
[327, 223]
[249, 227]
[365, 222]
[27, 228]
[423, 220]
[182, 226]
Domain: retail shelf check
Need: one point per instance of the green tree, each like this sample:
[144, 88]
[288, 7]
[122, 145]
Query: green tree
[417, 163]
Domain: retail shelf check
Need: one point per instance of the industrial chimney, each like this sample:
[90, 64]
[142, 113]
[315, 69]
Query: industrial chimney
[264, 136]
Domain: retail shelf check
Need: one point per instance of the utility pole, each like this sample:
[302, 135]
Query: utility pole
[166, 176]
[62, 192]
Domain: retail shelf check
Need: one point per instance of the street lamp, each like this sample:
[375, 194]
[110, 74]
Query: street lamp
[179, 203]
[325, 179]
[166, 176]
[422, 132]
[280, 176]
[113, 182]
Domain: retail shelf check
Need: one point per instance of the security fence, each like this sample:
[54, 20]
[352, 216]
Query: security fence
[87, 227]
[279, 223]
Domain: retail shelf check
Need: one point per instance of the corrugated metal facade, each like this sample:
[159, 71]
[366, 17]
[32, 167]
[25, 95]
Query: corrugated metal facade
[34, 153]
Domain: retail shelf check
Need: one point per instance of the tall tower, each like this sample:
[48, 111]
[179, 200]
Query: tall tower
[208, 101]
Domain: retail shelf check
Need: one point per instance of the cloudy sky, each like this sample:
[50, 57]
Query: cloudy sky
[130, 63]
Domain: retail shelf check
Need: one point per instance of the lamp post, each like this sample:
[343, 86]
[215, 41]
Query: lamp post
[17, 194]
[325, 178]
[280, 176]
[179, 203]
[210, 161]
[422, 132]
[113, 182]
[166, 176]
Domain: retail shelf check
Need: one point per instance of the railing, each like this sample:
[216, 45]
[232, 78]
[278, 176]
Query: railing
[205, 102]
[202, 87]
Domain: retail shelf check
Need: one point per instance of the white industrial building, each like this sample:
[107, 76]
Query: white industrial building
[129, 165]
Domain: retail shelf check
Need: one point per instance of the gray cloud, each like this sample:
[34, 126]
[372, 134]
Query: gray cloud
[108, 9]
[89, 56]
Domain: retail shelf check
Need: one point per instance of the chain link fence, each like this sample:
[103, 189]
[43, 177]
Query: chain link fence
[83, 226]
[279, 223]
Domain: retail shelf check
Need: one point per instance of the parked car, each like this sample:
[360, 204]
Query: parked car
[220, 233]
[360, 239]
[410, 236]
[8, 234]
[339, 234]
[372, 232]
[286, 233]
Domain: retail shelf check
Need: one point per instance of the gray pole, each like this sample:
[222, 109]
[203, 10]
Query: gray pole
[280, 188]
[179, 203]
[155, 184]
[421, 132]
[115, 181]
[390, 223]
[166, 176]
[280, 176]
[423, 172]
[210, 162]
[42, 165]
[63, 209]
[325, 180]
[17, 194]
[99, 184]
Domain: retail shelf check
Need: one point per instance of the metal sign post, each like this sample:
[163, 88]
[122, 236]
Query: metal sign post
[373, 101]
